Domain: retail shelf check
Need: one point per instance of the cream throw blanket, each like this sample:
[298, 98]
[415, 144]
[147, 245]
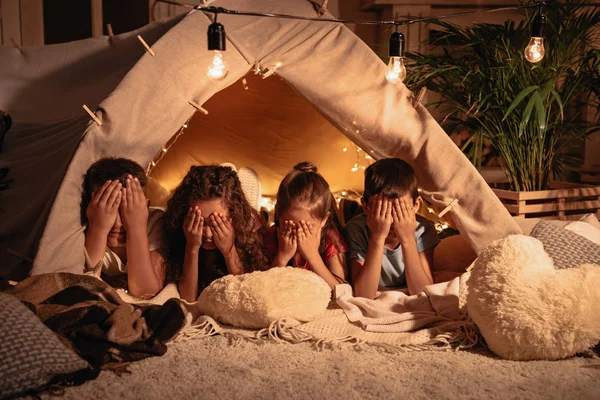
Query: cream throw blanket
[395, 311]
[435, 319]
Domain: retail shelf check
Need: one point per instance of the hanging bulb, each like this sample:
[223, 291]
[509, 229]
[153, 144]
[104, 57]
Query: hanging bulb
[535, 51]
[217, 70]
[216, 42]
[396, 70]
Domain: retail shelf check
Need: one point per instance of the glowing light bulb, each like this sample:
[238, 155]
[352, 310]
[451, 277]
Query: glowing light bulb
[535, 51]
[396, 70]
[164, 150]
[345, 149]
[218, 68]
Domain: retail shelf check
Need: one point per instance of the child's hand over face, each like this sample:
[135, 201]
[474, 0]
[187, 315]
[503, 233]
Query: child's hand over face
[223, 233]
[405, 221]
[286, 240]
[309, 239]
[102, 210]
[379, 217]
[134, 206]
[193, 225]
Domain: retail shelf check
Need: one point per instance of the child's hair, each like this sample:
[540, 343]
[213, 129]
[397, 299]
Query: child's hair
[209, 183]
[390, 177]
[304, 186]
[108, 168]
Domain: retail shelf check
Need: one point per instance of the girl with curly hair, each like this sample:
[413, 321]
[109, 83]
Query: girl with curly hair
[211, 230]
[307, 231]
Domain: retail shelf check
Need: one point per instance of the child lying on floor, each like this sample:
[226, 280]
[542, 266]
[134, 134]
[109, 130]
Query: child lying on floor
[211, 230]
[306, 233]
[390, 245]
[122, 236]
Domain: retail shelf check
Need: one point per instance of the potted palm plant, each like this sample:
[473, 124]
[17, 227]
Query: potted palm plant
[527, 114]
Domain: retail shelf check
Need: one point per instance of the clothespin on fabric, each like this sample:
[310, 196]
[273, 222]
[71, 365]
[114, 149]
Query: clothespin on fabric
[271, 70]
[256, 68]
[92, 115]
[17, 45]
[448, 208]
[319, 8]
[419, 96]
[110, 31]
[198, 107]
[148, 49]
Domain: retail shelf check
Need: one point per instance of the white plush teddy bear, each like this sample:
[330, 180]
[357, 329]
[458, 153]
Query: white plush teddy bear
[528, 310]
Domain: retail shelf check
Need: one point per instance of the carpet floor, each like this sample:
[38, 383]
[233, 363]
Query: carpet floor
[215, 367]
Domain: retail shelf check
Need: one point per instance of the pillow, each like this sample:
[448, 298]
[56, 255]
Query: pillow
[30, 353]
[256, 299]
[584, 229]
[591, 219]
[527, 224]
[567, 249]
[528, 310]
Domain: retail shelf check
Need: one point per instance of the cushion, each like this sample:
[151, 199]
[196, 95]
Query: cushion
[584, 229]
[591, 219]
[567, 249]
[528, 310]
[527, 224]
[30, 353]
[255, 300]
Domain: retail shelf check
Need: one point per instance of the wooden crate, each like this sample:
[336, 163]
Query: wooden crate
[590, 174]
[563, 201]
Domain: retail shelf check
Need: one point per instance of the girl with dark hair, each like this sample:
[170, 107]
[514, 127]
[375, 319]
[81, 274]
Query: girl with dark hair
[306, 233]
[211, 230]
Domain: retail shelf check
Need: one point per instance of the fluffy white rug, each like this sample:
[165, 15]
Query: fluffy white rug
[212, 368]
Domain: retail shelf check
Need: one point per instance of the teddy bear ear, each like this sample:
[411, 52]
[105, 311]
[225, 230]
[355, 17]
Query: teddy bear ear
[521, 303]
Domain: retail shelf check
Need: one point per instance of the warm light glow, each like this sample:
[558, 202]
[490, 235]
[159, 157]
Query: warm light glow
[218, 68]
[184, 126]
[396, 71]
[164, 150]
[267, 203]
[534, 52]
[153, 164]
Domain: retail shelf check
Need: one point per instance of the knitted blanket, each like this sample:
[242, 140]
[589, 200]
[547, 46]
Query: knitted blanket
[435, 319]
[89, 316]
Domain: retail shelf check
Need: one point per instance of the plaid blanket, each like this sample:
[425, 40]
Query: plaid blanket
[89, 317]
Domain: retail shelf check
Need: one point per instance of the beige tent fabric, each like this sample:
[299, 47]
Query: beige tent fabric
[325, 62]
[44, 90]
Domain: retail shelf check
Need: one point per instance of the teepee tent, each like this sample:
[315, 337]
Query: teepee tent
[141, 107]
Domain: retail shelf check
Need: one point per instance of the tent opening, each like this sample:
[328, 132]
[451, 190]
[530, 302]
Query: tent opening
[269, 127]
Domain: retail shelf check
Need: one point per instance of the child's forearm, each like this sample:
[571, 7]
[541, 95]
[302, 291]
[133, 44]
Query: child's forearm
[188, 283]
[417, 275]
[141, 276]
[279, 260]
[95, 245]
[233, 262]
[317, 264]
[367, 280]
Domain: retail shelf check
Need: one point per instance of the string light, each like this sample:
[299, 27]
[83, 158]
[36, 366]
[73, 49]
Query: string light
[163, 151]
[396, 70]
[218, 69]
[535, 51]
